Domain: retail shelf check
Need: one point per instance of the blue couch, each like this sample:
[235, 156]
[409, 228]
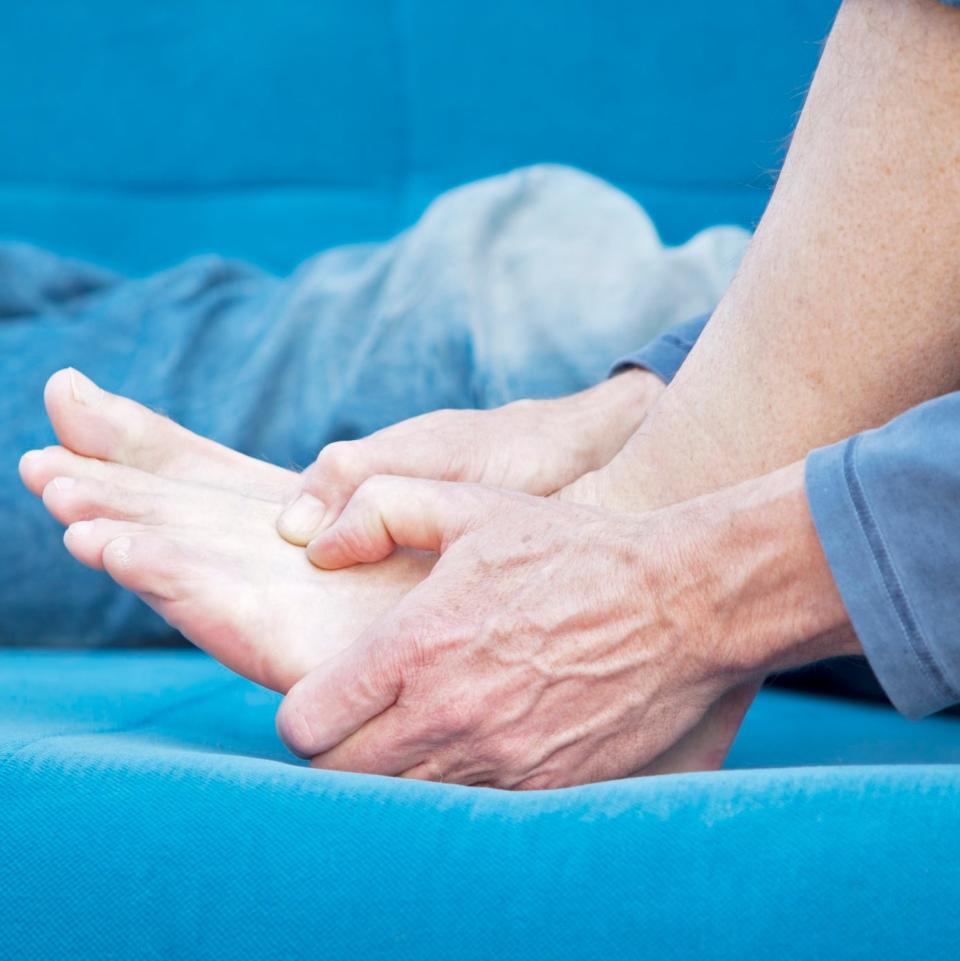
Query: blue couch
[147, 809]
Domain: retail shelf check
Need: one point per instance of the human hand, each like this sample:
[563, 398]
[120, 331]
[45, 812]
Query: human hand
[555, 644]
[535, 446]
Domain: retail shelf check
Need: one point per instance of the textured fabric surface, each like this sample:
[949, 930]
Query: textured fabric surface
[524, 285]
[149, 811]
[664, 355]
[887, 508]
[135, 135]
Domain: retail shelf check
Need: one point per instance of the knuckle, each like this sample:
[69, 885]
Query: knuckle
[366, 491]
[341, 460]
[371, 492]
[446, 417]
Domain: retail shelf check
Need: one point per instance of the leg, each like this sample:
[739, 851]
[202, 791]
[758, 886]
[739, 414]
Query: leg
[843, 313]
[205, 555]
[355, 339]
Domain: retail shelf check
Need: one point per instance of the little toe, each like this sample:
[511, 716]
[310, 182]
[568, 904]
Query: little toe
[86, 540]
[72, 499]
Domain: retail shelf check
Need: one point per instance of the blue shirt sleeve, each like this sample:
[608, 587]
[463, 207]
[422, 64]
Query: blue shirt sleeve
[886, 505]
[664, 355]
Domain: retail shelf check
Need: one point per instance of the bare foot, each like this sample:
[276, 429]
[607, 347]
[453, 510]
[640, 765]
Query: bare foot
[189, 526]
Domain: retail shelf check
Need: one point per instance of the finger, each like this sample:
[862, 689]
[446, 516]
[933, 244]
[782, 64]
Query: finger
[384, 745]
[390, 512]
[340, 468]
[338, 697]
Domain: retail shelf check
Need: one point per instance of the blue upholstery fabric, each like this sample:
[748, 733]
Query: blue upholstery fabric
[135, 135]
[149, 811]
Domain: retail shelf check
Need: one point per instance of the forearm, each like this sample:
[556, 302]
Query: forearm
[769, 596]
[843, 312]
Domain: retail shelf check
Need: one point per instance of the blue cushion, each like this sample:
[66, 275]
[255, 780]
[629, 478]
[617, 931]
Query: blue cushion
[149, 811]
[137, 134]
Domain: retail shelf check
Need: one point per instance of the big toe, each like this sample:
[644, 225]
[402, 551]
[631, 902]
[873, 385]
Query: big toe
[93, 422]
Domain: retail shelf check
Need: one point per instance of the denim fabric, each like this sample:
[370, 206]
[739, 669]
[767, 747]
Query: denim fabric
[524, 285]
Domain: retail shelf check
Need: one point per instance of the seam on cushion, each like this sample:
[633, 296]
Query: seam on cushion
[206, 692]
[883, 561]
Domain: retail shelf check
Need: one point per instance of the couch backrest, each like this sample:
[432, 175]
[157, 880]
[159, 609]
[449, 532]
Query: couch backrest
[138, 133]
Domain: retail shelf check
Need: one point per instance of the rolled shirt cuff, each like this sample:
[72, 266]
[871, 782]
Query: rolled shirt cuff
[880, 560]
[664, 355]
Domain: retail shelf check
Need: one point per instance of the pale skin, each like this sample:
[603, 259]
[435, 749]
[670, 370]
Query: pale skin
[202, 518]
[851, 267]
[843, 313]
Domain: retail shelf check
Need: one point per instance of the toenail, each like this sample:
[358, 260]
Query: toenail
[64, 483]
[302, 519]
[79, 528]
[120, 550]
[84, 390]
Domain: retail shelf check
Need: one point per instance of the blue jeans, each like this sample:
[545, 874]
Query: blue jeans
[524, 285]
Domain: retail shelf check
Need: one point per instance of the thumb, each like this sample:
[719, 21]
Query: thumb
[405, 449]
[325, 487]
[339, 696]
[389, 512]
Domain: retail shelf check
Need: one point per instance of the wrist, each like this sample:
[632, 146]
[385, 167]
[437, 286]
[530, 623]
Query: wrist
[769, 597]
[606, 415]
